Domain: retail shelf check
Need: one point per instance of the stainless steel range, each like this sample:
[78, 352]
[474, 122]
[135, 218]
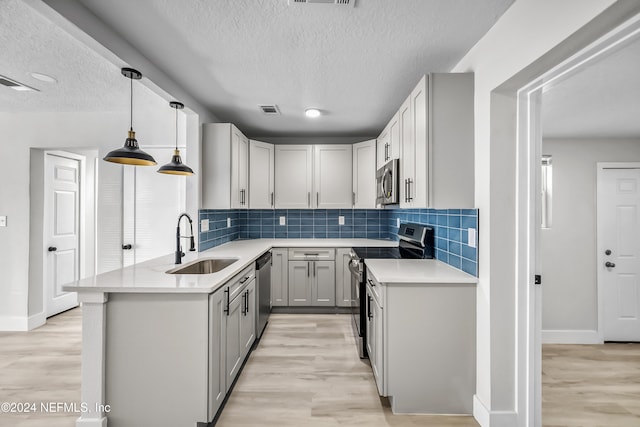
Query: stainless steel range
[416, 241]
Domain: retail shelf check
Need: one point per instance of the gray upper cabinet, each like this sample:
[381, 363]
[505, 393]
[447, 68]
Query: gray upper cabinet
[313, 176]
[225, 161]
[364, 175]
[261, 175]
[294, 176]
[437, 143]
[332, 165]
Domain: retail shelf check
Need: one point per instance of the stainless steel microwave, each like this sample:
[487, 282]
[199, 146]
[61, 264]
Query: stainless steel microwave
[387, 180]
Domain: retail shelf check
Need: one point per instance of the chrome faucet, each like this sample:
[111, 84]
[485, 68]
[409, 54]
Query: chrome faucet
[192, 245]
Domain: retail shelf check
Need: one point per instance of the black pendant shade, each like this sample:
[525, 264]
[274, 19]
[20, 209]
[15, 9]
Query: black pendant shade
[130, 154]
[175, 166]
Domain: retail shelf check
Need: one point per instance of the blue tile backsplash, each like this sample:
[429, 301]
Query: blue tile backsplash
[450, 226]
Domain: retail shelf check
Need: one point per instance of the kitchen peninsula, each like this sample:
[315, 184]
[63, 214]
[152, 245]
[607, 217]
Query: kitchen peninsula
[164, 349]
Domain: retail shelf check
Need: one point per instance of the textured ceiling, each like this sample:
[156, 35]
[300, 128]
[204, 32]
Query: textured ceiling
[600, 100]
[356, 64]
[85, 80]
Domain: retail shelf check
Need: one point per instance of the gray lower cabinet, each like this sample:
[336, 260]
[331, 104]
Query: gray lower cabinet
[421, 339]
[233, 340]
[240, 323]
[312, 277]
[172, 357]
[217, 353]
[300, 283]
[279, 277]
[323, 283]
[343, 277]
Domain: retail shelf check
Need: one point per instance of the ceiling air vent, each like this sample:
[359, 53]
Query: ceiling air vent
[271, 110]
[336, 2]
[12, 84]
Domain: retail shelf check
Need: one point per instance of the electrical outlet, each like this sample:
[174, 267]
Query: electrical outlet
[228, 222]
[341, 220]
[204, 225]
[3, 221]
[471, 237]
[283, 220]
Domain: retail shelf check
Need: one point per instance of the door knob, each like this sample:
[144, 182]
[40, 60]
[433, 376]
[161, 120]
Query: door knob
[52, 249]
[127, 246]
[607, 252]
[609, 264]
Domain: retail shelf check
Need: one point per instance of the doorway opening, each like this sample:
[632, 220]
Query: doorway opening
[62, 234]
[529, 212]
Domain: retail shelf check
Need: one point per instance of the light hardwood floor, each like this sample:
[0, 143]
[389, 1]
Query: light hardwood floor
[305, 372]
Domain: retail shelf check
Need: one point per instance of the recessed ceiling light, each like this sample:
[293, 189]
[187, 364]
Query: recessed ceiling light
[312, 112]
[44, 78]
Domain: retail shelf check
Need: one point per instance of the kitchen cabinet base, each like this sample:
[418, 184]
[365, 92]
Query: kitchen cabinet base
[311, 310]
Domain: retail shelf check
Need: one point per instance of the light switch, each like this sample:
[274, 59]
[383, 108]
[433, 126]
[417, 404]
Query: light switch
[3, 221]
[283, 220]
[228, 222]
[340, 220]
[204, 225]
[471, 237]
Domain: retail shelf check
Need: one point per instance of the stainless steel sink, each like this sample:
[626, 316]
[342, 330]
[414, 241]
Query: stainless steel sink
[203, 266]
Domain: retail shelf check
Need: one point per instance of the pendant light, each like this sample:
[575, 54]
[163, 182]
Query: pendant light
[175, 166]
[130, 154]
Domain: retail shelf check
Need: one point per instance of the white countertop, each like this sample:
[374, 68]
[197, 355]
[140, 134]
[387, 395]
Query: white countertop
[150, 276]
[390, 271]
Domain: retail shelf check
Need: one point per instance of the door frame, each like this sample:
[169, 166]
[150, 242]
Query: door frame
[82, 160]
[37, 254]
[600, 167]
[528, 204]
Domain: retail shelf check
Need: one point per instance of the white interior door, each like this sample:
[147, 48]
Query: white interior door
[61, 230]
[619, 251]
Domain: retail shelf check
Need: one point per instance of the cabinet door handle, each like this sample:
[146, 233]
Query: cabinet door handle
[245, 295]
[409, 182]
[244, 303]
[369, 316]
[272, 198]
[308, 268]
[226, 309]
[370, 282]
[386, 151]
[244, 279]
[315, 269]
[317, 199]
[309, 199]
[354, 198]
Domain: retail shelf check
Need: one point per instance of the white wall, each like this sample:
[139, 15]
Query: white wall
[569, 259]
[154, 123]
[513, 52]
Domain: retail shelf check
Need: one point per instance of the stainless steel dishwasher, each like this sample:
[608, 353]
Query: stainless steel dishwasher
[263, 292]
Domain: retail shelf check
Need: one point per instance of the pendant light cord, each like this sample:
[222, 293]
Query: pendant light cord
[176, 107]
[131, 104]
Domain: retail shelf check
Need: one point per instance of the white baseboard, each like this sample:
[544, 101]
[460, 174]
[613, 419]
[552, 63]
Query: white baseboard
[555, 336]
[487, 418]
[480, 412]
[37, 320]
[22, 323]
[91, 422]
[14, 323]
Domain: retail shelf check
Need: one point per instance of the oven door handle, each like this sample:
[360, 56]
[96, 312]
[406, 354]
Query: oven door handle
[354, 270]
